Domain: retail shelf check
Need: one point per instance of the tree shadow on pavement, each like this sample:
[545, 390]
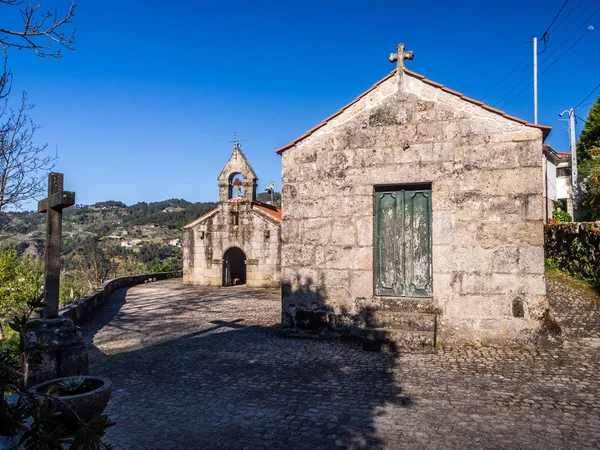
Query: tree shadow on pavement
[236, 386]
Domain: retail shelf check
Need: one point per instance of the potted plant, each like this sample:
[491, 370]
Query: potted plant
[79, 398]
[67, 411]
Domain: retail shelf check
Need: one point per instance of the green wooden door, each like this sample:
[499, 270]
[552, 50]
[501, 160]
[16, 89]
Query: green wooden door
[403, 242]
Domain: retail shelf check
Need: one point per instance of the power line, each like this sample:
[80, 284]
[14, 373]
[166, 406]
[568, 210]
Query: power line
[588, 96]
[569, 14]
[521, 77]
[549, 67]
[545, 36]
[515, 87]
[504, 79]
[588, 104]
[567, 51]
[581, 119]
[573, 33]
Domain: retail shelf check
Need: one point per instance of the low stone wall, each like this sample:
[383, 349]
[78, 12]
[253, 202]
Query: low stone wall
[81, 310]
[575, 248]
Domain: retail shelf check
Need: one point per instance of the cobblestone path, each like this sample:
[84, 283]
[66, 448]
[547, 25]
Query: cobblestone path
[199, 368]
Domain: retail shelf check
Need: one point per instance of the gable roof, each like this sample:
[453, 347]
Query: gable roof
[200, 219]
[545, 129]
[272, 211]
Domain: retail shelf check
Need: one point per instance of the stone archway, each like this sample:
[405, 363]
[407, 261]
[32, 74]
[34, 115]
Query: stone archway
[234, 267]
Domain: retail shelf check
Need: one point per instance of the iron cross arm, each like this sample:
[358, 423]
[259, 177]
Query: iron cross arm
[57, 201]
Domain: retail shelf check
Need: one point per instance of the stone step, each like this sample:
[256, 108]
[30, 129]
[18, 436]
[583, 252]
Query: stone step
[399, 340]
[414, 321]
[425, 305]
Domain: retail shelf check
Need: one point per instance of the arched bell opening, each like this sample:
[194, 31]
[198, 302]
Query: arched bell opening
[236, 185]
[234, 267]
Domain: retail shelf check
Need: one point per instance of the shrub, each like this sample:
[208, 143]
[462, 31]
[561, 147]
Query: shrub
[575, 249]
[21, 279]
[561, 216]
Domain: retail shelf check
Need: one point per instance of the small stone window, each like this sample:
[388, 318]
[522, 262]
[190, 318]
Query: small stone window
[236, 218]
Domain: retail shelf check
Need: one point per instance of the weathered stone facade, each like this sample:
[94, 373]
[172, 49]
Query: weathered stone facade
[212, 243]
[484, 172]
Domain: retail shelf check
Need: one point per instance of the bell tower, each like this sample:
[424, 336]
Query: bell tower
[237, 179]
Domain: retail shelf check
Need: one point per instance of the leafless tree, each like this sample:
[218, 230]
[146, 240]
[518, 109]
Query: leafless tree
[42, 32]
[94, 263]
[23, 163]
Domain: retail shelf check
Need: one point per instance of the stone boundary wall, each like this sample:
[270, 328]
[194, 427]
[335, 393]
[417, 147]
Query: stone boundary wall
[81, 310]
[575, 248]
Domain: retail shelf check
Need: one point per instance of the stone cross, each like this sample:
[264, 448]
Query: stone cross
[53, 205]
[236, 141]
[400, 56]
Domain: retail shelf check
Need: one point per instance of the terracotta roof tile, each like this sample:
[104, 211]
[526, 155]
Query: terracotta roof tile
[564, 155]
[273, 211]
[545, 129]
[450, 91]
[432, 83]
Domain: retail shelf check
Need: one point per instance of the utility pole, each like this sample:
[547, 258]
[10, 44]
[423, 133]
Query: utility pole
[573, 145]
[535, 82]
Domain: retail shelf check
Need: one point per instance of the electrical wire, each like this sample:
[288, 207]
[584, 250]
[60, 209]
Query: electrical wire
[572, 45]
[545, 36]
[577, 28]
[550, 66]
[588, 96]
[564, 18]
[504, 79]
[521, 77]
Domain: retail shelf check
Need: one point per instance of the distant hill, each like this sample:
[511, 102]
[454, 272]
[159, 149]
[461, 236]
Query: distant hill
[145, 224]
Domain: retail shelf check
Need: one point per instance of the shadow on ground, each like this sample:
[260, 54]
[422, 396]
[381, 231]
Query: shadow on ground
[229, 383]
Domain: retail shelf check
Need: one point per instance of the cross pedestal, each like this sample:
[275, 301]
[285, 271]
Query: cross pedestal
[66, 353]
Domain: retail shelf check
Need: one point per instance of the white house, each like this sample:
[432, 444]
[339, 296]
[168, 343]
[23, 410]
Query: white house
[558, 180]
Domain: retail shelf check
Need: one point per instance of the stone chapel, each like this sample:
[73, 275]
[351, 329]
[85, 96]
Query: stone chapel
[414, 215]
[238, 242]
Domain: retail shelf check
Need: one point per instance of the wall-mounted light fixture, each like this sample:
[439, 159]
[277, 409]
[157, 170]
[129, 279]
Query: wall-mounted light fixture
[267, 234]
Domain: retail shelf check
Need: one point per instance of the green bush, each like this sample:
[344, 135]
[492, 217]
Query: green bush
[21, 279]
[561, 216]
[162, 267]
[575, 249]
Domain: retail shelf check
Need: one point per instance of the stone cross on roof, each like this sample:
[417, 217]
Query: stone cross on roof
[53, 205]
[399, 57]
[236, 141]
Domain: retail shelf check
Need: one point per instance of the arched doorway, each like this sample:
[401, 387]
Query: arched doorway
[234, 267]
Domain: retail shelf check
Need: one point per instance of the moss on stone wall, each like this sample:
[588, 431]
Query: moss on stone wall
[575, 248]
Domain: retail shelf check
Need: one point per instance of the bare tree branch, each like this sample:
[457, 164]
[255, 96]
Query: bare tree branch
[23, 163]
[41, 32]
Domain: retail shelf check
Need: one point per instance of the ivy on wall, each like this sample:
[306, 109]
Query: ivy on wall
[575, 248]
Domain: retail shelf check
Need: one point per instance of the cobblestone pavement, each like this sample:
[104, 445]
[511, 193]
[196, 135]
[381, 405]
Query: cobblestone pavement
[200, 368]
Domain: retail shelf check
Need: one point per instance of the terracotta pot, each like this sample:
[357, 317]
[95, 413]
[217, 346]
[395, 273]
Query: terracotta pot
[85, 405]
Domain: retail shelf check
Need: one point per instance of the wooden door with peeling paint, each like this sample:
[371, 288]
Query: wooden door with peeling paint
[403, 242]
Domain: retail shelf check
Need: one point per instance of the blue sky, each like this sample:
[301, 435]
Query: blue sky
[142, 109]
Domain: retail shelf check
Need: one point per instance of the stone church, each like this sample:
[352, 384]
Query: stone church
[414, 215]
[238, 242]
